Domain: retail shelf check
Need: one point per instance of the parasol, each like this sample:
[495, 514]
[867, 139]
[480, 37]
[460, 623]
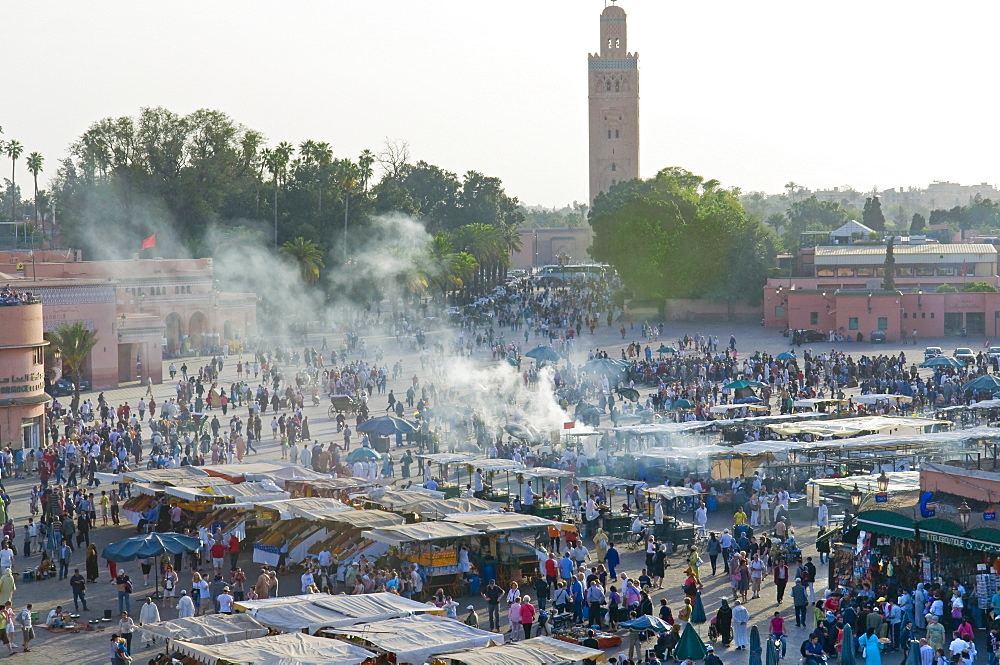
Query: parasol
[387, 426]
[690, 645]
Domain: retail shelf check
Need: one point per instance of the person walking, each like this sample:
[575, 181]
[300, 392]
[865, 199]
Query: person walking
[527, 616]
[27, 629]
[493, 594]
[714, 549]
[800, 599]
[79, 587]
[149, 613]
[741, 622]
[125, 627]
[780, 580]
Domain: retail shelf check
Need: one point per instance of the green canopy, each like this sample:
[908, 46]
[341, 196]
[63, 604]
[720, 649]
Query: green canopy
[690, 645]
[743, 383]
[666, 349]
[887, 522]
[698, 611]
[986, 382]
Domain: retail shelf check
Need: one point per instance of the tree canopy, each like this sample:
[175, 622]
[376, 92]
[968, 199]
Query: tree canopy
[678, 235]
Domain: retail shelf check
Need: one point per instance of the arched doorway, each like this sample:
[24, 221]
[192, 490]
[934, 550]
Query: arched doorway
[197, 329]
[227, 331]
[173, 333]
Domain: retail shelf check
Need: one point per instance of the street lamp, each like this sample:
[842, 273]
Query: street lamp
[883, 483]
[856, 496]
[964, 513]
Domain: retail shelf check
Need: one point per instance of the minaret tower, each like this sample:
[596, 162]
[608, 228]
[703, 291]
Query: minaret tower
[613, 85]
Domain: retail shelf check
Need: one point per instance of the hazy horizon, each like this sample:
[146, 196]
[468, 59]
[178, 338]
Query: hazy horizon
[754, 96]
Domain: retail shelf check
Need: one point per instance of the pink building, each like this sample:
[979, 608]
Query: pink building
[22, 367]
[839, 289]
[141, 309]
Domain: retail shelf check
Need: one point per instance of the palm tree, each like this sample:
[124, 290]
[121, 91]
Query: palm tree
[365, 161]
[347, 179]
[13, 149]
[74, 342]
[276, 162]
[324, 157]
[34, 162]
[308, 255]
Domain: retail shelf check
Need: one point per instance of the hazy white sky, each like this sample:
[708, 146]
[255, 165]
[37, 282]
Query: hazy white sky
[755, 94]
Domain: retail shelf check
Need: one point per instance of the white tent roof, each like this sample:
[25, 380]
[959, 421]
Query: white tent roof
[313, 612]
[850, 228]
[415, 639]
[420, 533]
[208, 629]
[536, 651]
[490, 522]
[290, 649]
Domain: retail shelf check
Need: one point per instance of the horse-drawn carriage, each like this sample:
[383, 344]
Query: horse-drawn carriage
[342, 404]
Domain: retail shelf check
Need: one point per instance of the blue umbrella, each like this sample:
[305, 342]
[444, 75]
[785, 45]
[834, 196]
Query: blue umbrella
[363, 455]
[748, 400]
[607, 366]
[387, 426]
[150, 545]
[941, 361]
[785, 355]
[647, 622]
[986, 382]
[544, 353]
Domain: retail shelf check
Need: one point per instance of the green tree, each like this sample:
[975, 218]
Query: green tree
[811, 214]
[947, 288]
[307, 255]
[74, 342]
[979, 287]
[917, 224]
[34, 163]
[678, 235]
[13, 150]
[872, 216]
[889, 266]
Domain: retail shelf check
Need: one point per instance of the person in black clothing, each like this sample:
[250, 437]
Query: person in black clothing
[711, 658]
[541, 592]
[493, 594]
[79, 586]
[591, 641]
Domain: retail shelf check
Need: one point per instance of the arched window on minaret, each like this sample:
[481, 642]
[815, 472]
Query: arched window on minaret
[614, 167]
[607, 86]
[618, 86]
[618, 43]
[609, 42]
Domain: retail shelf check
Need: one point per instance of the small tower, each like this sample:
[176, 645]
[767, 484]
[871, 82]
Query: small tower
[613, 85]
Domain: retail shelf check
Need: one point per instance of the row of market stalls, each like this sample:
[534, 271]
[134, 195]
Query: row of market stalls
[935, 524]
[349, 630]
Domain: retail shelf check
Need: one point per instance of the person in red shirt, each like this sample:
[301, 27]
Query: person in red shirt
[218, 552]
[234, 551]
[552, 570]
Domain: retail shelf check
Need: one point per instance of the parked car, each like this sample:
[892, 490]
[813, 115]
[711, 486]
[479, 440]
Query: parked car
[932, 352]
[812, 336]
[64, 387]
[965, 354]
[994, 352]
[878, 337]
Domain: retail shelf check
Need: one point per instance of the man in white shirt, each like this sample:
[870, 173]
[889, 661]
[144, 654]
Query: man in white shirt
[6, 558]
[528, 500]
[823, 514]
[307, 580]
[325, 558]
[477, 484]
[225, 601]
[958, 645]
[701, 518]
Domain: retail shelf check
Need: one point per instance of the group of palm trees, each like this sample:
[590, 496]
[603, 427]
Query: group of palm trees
[13, 150]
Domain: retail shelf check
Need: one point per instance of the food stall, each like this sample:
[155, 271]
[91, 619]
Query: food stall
[432, 545]
[614, 521]
[290, 649]
[312, 612]
[546, 505]
[299, 524]
[415, 640]
[450, 487]
[336, 488]
[534, 651]
[513, 559]
[493, 468]
[672, 529]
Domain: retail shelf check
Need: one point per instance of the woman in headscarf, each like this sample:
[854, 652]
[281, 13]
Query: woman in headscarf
[872, 647]
[724, 622]
[93, 566]
[600, 543]
[7, 587]
[741, 623]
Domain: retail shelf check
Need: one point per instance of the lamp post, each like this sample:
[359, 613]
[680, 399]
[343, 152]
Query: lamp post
[856, 496]
[964, 513]
[883, 483]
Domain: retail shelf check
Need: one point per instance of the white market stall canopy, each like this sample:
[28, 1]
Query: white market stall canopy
[609, 482]
[494, 522]
[543, 472]
[277, 472]
[316, 509]
[670, 492]
[845, 427]
[536, 651]
[438, 508]
[421, 533]
[242, 492]
[875, 398]
[208, 629]
[962, 436]
[492, 465]
[813, 403]
[415, 639]
[290, 649]
[446, 458]
[313, 612]
[899, 481]
[284, 506]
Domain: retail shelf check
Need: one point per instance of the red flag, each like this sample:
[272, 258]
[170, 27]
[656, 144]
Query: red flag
[150, 242]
